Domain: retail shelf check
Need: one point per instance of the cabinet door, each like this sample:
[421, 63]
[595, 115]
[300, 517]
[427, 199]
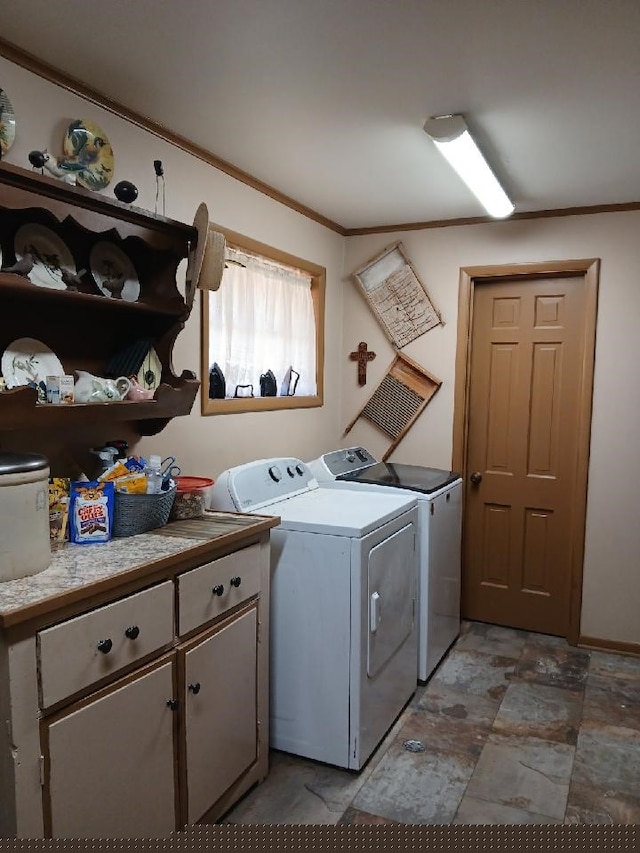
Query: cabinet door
[220, 711]
[111, 762]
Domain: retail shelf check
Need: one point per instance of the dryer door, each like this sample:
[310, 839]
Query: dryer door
[391, 582]
[384, 651]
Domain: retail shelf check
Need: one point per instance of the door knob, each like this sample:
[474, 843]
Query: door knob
[476, 477]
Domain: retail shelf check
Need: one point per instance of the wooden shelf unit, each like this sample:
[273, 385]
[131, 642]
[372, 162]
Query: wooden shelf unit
[86, 329]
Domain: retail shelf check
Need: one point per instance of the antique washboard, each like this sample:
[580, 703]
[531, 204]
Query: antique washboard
[397, 297]
[398, 400]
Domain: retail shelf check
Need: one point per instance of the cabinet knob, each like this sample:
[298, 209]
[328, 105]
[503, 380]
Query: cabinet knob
[218, 589]
[195, 688]
[132, 632]
[105, 646]
[236, 581]
[173, 704]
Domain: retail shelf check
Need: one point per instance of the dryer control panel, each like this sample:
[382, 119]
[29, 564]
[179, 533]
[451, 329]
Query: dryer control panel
[249, 487]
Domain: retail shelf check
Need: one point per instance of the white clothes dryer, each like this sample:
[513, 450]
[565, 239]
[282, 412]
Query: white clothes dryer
[439, 496]
[343, 626]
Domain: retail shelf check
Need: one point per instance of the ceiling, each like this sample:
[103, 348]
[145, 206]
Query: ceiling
[324, 100]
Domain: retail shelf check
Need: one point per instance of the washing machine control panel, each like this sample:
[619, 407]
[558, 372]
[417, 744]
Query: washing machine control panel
[331, 465]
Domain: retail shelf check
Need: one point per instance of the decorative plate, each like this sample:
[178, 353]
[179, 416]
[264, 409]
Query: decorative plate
[150, 372]
[27, 360]
[114, 273]
[7, 123]
[49, 253]
[88, 154]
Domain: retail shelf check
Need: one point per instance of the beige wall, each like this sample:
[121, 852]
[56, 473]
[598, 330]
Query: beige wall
[611, 593]
[209, 445]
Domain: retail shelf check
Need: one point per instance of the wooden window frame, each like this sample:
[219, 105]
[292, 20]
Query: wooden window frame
[262, 404]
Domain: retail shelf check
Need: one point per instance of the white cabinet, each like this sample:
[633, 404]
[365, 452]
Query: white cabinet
[89, 648]
[111, 758]
[111, 762]
[140, 713]
[213, 588]
[220, 674]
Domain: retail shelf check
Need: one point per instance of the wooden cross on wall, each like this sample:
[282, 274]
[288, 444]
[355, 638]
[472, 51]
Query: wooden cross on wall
[362, 356]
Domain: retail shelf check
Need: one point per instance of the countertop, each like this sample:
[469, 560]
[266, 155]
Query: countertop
[78, 571]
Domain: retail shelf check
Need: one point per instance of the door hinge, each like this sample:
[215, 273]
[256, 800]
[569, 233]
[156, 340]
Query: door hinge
[42, 771]
[433, 509]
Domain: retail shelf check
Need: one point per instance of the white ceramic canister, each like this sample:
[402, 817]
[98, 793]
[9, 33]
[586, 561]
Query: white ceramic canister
[24, 515]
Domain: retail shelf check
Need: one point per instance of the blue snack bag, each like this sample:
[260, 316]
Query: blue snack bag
[91, 511]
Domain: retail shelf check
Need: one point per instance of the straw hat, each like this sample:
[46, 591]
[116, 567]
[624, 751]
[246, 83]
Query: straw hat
[196, 254]
[206, 261]
[213, 263]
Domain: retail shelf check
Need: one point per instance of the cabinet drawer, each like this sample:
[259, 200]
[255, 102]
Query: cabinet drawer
[70, 656]
[198, 598]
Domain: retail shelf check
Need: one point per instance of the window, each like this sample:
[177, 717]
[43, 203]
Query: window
[262, 331]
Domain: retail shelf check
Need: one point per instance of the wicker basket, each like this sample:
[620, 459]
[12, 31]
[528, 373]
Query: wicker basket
[139, 513]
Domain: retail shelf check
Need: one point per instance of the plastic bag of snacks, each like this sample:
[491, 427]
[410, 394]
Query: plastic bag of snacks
[91, 511]
[58, 511]
[132, 476]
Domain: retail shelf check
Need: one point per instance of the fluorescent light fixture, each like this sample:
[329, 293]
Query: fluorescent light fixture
[452, 138]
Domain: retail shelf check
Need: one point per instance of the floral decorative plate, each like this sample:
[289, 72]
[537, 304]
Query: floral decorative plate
[49, 253]
[7, 123]
[87, 154]
[27, 360]
[114, 273]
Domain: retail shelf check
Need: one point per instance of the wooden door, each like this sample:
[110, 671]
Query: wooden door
[530, 364]
[111, 762]
[220, 718]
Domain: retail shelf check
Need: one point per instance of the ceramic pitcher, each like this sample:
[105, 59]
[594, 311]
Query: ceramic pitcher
[94, 389]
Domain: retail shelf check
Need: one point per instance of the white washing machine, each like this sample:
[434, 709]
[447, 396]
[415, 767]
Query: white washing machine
[343, 633]
[439, 496]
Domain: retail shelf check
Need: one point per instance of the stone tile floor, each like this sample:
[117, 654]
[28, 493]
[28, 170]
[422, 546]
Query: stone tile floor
[518, 728]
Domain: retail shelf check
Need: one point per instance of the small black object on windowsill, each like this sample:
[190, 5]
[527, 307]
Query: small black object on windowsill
[242, 388]
[217, 383]
[268, 384]
[289, 384]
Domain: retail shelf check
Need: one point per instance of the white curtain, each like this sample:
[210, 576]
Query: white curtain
[261, 318]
